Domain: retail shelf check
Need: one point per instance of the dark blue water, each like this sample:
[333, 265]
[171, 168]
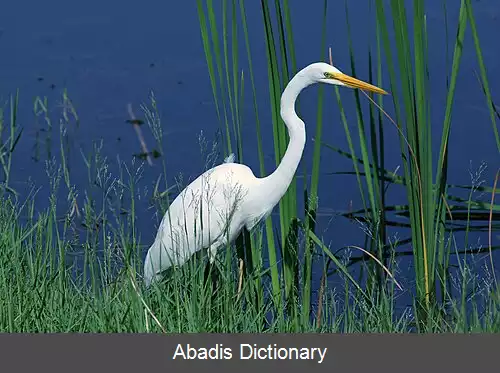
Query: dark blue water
[111, 53]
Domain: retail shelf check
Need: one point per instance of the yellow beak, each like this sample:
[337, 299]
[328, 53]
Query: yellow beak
[351, 82]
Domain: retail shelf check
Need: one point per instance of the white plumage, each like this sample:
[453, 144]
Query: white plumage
[213, 209]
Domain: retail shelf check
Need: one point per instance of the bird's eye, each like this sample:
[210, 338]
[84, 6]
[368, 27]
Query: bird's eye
[326, 75]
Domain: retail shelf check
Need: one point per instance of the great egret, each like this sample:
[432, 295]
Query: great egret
[212, 210]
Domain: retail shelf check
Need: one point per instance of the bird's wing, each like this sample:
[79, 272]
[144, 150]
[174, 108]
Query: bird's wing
[230, 158]
[200, 214]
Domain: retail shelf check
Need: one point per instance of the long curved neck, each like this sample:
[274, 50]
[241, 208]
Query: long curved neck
[277, 183]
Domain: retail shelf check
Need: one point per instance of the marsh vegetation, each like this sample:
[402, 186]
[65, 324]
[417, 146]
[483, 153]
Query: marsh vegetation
[75, 265]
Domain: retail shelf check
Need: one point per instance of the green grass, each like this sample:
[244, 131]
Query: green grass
[76, 265]
[41, 295]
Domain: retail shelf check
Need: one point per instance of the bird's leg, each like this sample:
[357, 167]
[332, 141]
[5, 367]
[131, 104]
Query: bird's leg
[240, 278]
[210, 275]
[206, 273]
[210, 269]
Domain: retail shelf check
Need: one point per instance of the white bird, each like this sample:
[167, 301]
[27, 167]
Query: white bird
[212, 210]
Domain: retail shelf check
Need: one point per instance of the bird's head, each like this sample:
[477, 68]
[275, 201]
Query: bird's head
[321, 72]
